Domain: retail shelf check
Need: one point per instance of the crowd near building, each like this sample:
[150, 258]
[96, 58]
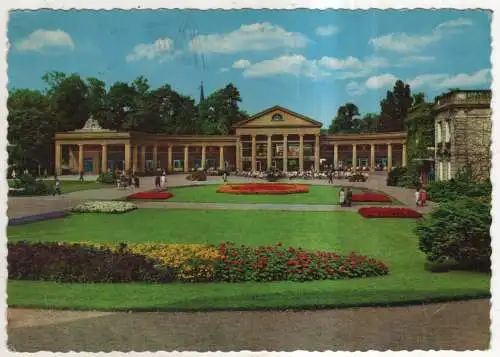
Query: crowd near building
[278, 138]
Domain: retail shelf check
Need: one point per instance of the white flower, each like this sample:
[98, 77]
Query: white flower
[104, 207]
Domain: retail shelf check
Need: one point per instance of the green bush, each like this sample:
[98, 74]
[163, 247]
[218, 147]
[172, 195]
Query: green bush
[27, 185]
[107, 177]
[462, 185]
[458, 230]
[395, 176]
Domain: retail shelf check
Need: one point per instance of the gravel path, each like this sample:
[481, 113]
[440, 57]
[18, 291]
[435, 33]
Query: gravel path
[451, 326]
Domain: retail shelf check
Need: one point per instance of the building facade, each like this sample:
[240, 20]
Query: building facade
[276, 137]
[463, 133]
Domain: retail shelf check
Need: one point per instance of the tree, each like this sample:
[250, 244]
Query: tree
[31, 129]
[346, 119]
[369, 123]
[68, 98]
[119, 103]
[220, 111]
[394, 108]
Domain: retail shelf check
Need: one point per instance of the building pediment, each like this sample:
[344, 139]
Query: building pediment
[278, 117]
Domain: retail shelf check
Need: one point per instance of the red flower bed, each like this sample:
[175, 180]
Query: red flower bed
[370, 197]
[150, 195]
[263, 188]
[272, 263]
[388, 212]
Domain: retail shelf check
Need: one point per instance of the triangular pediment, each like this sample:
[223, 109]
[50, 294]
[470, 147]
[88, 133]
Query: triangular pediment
[278, 116]
[92, 125]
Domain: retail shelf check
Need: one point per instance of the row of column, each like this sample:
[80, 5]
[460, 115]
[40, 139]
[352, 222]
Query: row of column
[372, 155]
[285, 152]
[134, 150]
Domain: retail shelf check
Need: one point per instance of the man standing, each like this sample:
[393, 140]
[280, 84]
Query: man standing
[57, 186]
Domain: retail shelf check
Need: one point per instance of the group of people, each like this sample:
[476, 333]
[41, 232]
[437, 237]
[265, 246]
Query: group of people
[161, 179]
[345, 197]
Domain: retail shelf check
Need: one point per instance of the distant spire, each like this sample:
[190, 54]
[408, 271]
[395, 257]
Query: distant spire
[202, 93]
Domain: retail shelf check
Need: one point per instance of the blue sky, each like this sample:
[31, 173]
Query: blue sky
[309, 61]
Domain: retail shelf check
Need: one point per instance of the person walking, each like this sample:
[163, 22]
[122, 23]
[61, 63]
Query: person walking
[423, 196]
[163, 179]
[342, 197]
[57, 187]
[224, 176]
[157, 180]
[349, 197]
[81, 176]
[417, 196]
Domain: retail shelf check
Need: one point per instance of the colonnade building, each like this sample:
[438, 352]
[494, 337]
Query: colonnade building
[274, 138]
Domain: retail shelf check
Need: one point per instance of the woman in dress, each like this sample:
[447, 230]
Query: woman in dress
[163, 180]
[342, 197]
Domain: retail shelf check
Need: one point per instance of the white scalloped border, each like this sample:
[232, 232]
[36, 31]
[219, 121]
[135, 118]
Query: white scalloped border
[494, 5]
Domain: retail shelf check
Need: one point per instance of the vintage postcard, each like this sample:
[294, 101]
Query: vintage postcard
[248, 179]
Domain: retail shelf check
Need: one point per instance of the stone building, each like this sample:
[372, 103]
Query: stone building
[463, 133]
[276, 137]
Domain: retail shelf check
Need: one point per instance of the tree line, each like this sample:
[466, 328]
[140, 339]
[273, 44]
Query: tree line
[393, 112]
[68, 100]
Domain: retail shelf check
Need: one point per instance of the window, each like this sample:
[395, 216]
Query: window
[449, 170]
[440, 171]
[447, 132]
[438, 133]
[277, 117]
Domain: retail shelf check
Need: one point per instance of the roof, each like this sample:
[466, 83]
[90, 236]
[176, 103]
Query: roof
[283, 109]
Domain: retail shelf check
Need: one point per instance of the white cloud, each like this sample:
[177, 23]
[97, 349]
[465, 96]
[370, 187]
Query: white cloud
[161, 49]
[437, 81]
[325, 31]
[442, 80]
[254, 37]
[414, 59]
[354, 88]
[242, 63]
[383, 80]
[336, 63]
[41, 40]
[224, 70]
[403, 43]
[296, 65]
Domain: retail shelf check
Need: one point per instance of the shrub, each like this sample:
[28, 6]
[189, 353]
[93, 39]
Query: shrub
[357, 178]
[370, 197]
[278, 263]
[197, 176]
[76, 264]
[104, 207]
[107, 177]
[458, 230]
[395, 176]
[388, 212]
[27, 185]
[150, 195]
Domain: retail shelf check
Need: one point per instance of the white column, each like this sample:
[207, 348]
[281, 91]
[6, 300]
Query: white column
[285, 153]
[203, 156]
[254, 153]
[104, 159]
[335, 155]
[301, 152]
[186, 158]
[80, 158]
[316, 154]
[389, 157]
[221, 157]
[269, 152]
[404, 158]
[58, 158]
[372, 156]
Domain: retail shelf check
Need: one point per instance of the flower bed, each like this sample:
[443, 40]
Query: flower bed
[273, 263]
[93, 262]
[73, 263]
[388, 212]
[150, 195]
[104, 207]
[263, 188]
[38, 218]
[370, 197]
[192, 262]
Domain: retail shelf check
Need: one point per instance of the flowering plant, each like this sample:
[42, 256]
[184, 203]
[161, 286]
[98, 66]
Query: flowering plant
[271, 263]
[388, 212]
[104, 207]
[150, 195]
[370, 197]
[263, 188]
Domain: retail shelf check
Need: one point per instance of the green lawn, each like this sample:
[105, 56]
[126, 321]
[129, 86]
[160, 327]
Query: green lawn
[390, 240]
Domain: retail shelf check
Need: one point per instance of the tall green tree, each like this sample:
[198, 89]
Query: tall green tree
[394, 108]
[31, 129]
[347, 119]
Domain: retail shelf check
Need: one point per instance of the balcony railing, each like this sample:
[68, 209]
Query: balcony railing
[472, 98]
